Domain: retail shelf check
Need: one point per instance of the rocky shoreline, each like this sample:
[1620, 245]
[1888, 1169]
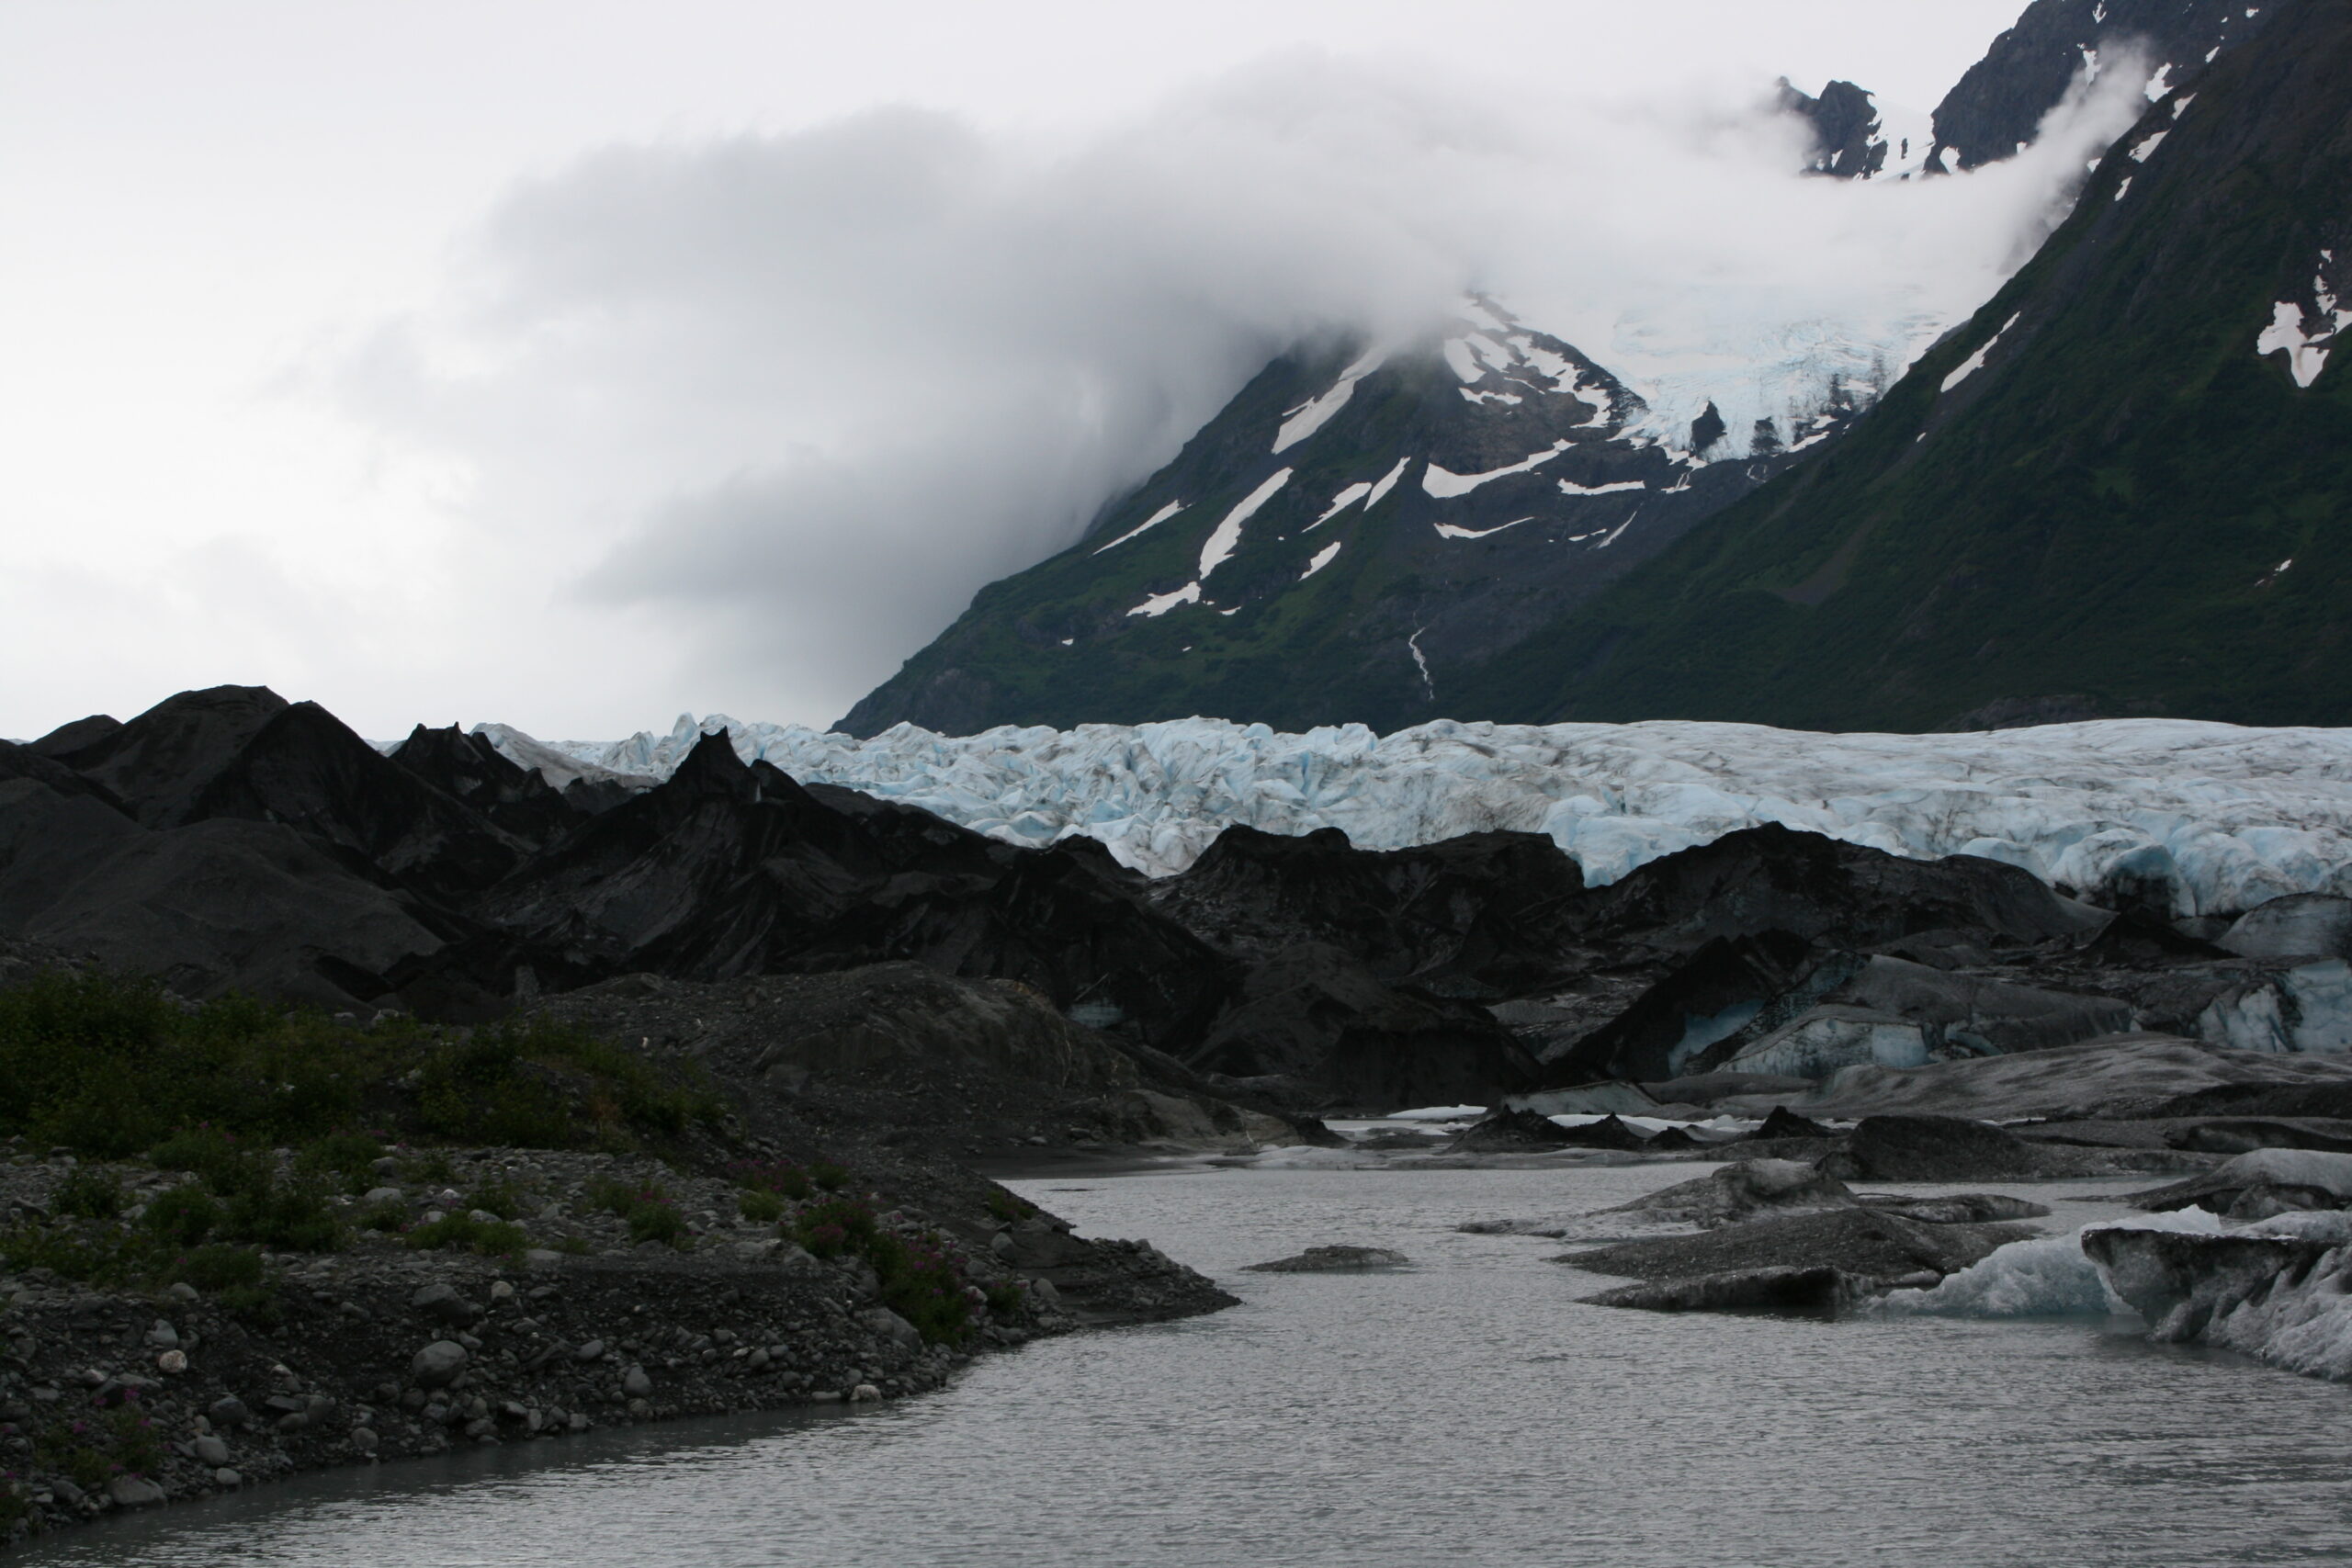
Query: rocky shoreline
[117, 1397]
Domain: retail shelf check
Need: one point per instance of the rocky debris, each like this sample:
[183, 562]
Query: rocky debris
[2258, 1185]
[1815, 1291]
[386, 1348]
[1609, 1133]
[1856, 1241]
[1333, 1259]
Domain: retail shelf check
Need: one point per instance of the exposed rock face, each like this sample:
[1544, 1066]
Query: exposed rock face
[1998, 104]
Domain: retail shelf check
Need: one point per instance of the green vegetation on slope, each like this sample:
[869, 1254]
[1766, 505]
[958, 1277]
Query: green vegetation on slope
[2100, 511]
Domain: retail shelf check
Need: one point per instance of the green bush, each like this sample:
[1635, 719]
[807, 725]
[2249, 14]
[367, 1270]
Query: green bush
[764, 1207]
[772, 1176]
[918, 1280]
[349, 1156]
[497, 1198]
[221, 1162]
[185, 1217]
[463, 1233]
[88, 1194]
[290, 1217]
[383, 1217]
[218, 1267]
[1008, 1208]
[829, 1176]
[649, 1210]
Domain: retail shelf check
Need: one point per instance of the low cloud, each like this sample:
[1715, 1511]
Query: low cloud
[781, 403]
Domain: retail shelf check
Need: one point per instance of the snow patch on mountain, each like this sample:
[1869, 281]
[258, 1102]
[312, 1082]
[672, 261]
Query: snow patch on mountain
[2304, 331]
[1226, 537]
[1306, 421]
[1975, 361]
[2215, 818]
[1154, 520]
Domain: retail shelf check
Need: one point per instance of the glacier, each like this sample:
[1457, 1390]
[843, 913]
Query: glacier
[2216, 819]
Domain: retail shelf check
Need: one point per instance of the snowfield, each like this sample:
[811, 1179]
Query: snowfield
[2222, 818]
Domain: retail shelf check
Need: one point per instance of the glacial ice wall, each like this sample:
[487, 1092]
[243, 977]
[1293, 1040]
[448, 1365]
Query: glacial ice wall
[2215, 817]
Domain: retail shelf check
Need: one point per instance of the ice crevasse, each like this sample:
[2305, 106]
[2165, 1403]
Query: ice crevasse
[2214, 819]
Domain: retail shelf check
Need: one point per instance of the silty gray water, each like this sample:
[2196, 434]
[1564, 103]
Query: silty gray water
[1464, 1411]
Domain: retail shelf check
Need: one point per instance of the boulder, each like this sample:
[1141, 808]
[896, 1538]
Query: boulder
[1932, 1148]
[439, 1364]
[443, 1303]
[1785, 1124]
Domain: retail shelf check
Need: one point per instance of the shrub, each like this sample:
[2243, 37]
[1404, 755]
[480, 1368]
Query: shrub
[829, 1176]
[291, 1216]
[764, 1207]
[836, 1226]
[383, 1217]
[650, 1214]
[349, 1156]
[777, 1175]
[463, 1233]
[1008, 1208]
[184, 1216]
[497, 1198]
[89, 1194]
[218, 1266]
[220, 1161]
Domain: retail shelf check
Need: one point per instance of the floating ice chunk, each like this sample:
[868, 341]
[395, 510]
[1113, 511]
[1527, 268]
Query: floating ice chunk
[1227, 536]
[1306, 420]
[1157, 518]
[1161, 604]
[1445, 485]
[1975, 361]
[1322, 558]
[1569, 487]
[1448, 530]
[1342, 500]
[1440, 1114]
[2048, 1276]
[1387, 482]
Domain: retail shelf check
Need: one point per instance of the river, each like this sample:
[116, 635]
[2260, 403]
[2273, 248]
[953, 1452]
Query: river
[1465, 1411]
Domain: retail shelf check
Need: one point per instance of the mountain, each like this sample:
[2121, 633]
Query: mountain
[1997, 106]
[1351, 517]
[2123, 487]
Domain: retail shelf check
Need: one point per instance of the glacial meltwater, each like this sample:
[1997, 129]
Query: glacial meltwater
[1463, 1411]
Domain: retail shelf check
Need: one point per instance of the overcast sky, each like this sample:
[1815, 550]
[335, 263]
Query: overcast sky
[575, 364]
